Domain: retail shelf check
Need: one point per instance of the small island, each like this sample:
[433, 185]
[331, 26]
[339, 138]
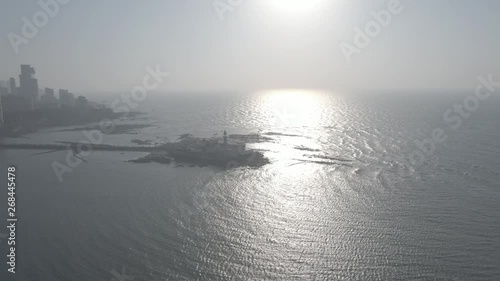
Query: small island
[23, 110]
[190, 150]
[203, 152]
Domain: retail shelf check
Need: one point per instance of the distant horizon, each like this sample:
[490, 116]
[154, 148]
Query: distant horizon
[222, 90]
[97, 46]
[250, 139]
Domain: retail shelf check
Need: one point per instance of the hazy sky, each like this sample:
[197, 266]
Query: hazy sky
[97, 45]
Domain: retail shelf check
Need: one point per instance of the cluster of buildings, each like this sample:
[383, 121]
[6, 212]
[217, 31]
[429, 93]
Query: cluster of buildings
[28, 97]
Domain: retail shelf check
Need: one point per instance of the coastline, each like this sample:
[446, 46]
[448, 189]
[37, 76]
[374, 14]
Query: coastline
[20, 123]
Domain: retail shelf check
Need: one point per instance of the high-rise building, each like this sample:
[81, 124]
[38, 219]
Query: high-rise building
[81, 103]
[13, 87]
[48, 99]
[28, 85]
[49, 92]
[15, 103]
[66, 99]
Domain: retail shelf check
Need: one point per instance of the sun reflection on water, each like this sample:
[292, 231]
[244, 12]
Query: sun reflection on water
[292, 108]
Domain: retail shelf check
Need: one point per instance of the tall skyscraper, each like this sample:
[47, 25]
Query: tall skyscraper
[49, 92]
[13, 87]
[66, 99]
[49, 100]
[28, 85]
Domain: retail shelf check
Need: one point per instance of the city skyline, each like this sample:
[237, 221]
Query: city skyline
[96, 46]
[28, 96]
[250, 140]
[27, 75]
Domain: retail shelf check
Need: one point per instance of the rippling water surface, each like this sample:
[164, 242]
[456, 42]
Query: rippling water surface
[341, 199]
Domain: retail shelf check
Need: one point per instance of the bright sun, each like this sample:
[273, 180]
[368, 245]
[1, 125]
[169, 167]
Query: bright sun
[295, 7]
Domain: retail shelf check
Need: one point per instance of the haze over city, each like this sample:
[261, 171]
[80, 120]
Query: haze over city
[220, 140]
[101, 46]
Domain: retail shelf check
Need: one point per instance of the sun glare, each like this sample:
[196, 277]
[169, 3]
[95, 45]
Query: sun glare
[295, 7]
[292, 108]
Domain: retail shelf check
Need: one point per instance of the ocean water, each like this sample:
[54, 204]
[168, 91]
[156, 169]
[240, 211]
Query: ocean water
[347, 196]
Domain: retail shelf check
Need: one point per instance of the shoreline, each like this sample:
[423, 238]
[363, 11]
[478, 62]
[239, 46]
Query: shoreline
[20, 123]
